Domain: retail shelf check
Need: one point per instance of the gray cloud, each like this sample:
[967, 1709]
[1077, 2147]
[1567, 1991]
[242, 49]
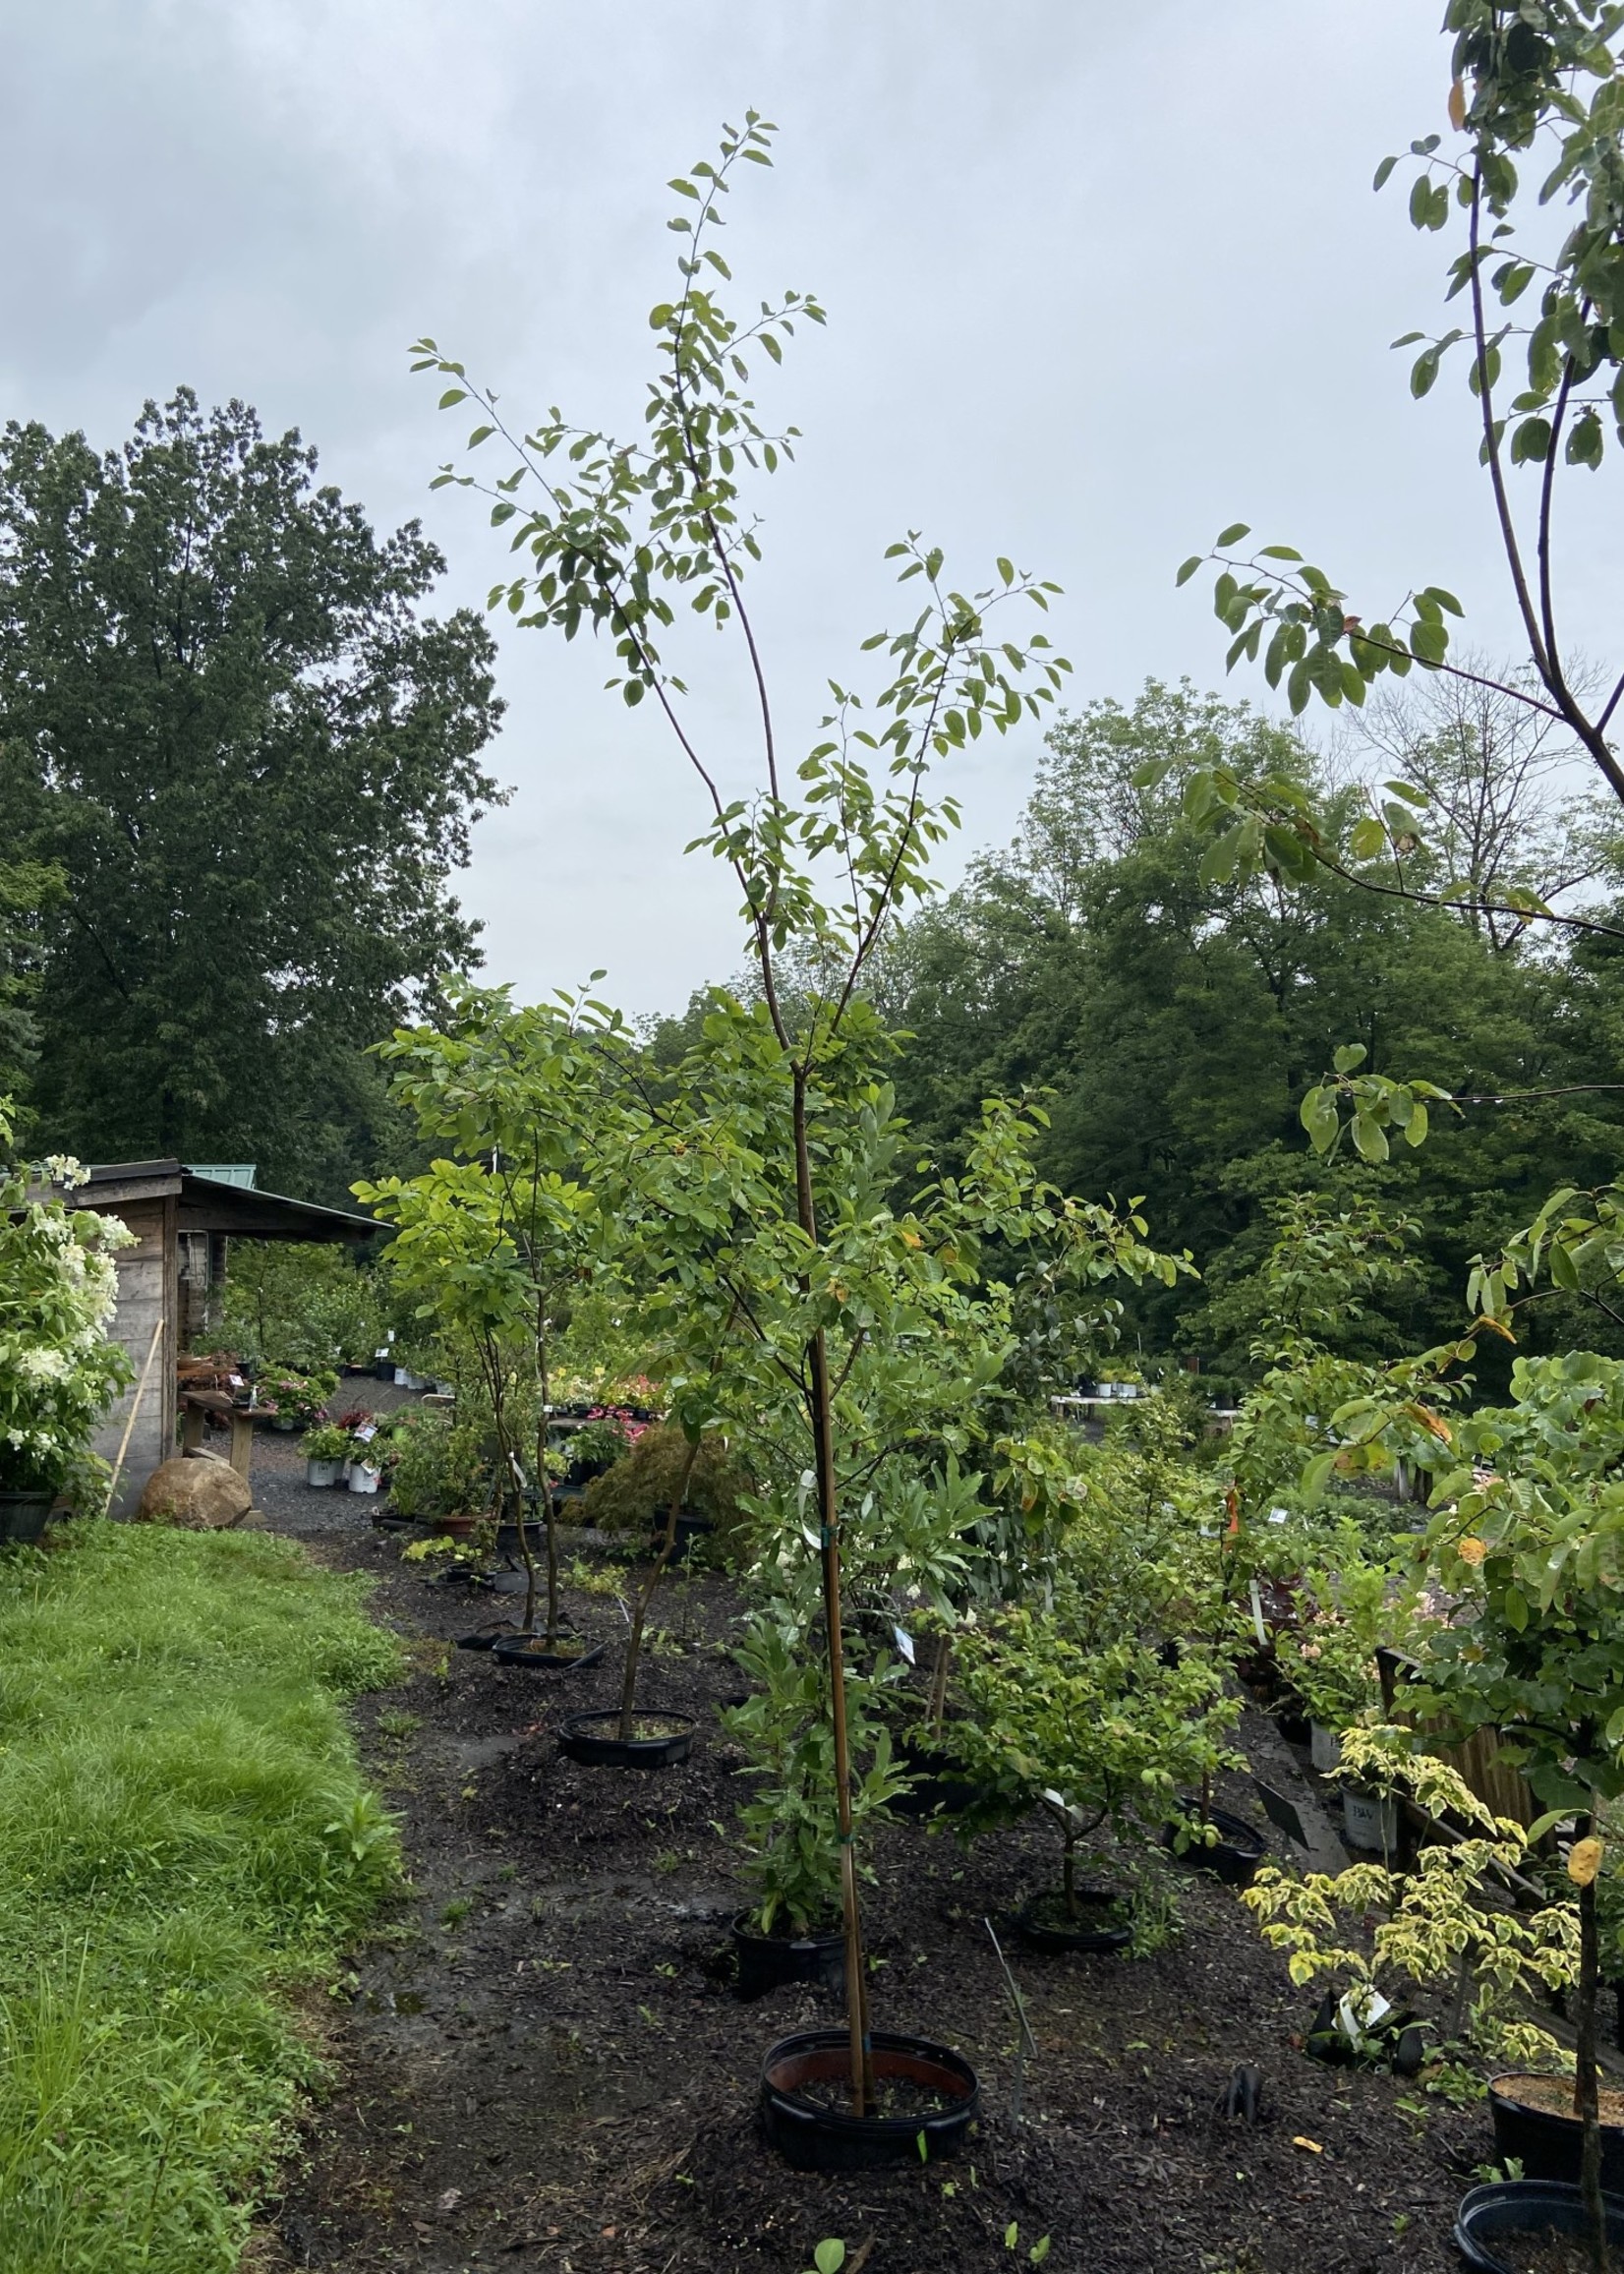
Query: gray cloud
[1099, 280]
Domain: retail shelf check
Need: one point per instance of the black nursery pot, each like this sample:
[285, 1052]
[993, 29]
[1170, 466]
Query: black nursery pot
[510, 1650]
[940, 1785]
[1494, 2225]
[814, 2138]
[769, 1962]
[690, 1528]
[1233, 1857]
[590, 1738]
[1546, 2145]
[484, 1638]
[1092, 1931]
[23, 1516]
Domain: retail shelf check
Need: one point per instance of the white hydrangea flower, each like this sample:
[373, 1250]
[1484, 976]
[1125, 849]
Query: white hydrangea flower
[43, 1365]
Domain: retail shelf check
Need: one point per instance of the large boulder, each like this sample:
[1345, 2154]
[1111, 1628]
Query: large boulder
[200, 1492]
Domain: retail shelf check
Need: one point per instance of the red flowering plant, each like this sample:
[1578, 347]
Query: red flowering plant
[606, 1435]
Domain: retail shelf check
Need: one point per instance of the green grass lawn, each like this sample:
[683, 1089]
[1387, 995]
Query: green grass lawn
[185, 1841]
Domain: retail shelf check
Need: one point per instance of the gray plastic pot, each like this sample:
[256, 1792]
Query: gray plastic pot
[23, 1515]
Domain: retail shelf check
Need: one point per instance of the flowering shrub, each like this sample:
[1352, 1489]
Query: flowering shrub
[606, 1434]
[58, 1371]
[296, 1396]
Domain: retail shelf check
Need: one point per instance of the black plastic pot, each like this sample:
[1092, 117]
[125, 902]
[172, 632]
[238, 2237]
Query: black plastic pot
[768, 1961]
[590, 1740]
[1039, 1934]
[509, 1651]
[1233, 1857]
[689, 1529]
[23, 1515]
[1493, 2221]
[484, 1638]
[940, 1786]
[1548, 2146]
[815, 2139]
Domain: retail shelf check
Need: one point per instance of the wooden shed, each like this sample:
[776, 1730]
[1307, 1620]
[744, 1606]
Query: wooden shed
[182, 1218]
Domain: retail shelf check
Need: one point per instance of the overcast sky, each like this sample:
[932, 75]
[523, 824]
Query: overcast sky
[1099, 280]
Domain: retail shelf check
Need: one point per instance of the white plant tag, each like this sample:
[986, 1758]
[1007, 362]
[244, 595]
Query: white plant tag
[904, 1643]
[1257, 1616]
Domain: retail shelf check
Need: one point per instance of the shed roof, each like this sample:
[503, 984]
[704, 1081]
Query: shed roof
[211, 1201]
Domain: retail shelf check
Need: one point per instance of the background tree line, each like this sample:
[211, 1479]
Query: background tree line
[239, 763]
[1178, 1015]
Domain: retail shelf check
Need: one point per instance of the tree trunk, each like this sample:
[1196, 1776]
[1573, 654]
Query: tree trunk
[939, 1682]
[634, 1640]
[821, 1412]
[1585, 2096]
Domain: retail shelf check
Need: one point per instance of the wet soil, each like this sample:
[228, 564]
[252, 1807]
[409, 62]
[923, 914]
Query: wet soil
[541, 2063]
[1553, 2096]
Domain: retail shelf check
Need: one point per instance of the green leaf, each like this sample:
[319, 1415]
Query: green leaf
[1369, 1138]
[830, 2255]
[1317, 1475]
[452, 396]
[1368, 838]
[1428, 642]
[1218, 862]
[1233, 535]
[1350, 1056]
[1189, 568]
[1563, 1269]
[1416, 1127]
[1530, 441]
[1384, 173]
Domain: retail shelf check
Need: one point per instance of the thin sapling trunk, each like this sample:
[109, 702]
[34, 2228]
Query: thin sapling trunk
[821, 1413]
[544, 1485]
[1585, 2094]
[645, 1594]
[939, 1682]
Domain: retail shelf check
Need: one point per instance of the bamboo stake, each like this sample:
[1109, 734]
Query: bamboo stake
[134, 1408]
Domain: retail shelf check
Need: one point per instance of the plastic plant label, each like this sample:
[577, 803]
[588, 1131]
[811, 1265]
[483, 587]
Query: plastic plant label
[1257, 1617]
[365, 1433]
[904, 1643]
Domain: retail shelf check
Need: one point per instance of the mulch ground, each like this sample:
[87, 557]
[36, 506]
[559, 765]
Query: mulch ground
[542, 2064]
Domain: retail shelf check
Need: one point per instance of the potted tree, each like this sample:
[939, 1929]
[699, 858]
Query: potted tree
[1375, 1934]
[1530, 1550]
[1095, 1728]
[491, 1239]
[58, 1371]
[801, 1279]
